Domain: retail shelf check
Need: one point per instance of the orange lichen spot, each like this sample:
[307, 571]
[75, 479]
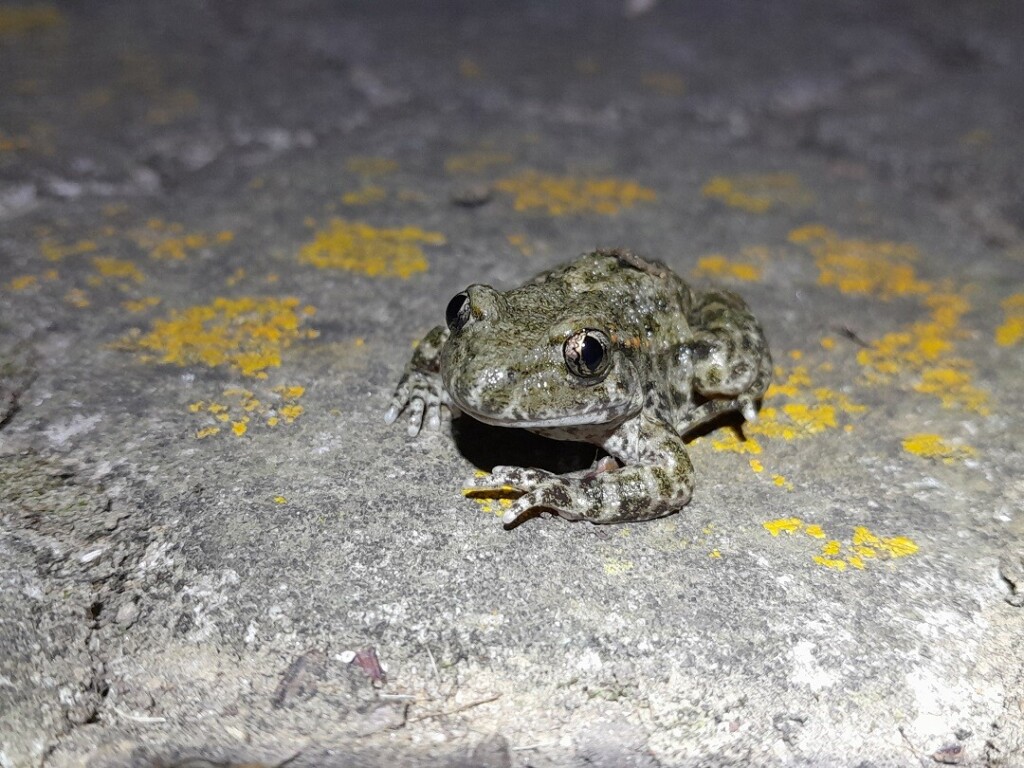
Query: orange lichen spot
[246, 334]
[14, 143]
[665, 83]
[23, 283]
[280, 500]
[235, 277]
[756, 465]
[809, 411]
[899, 546]
[930, 446]
[493, 502]
[828, 343]
[1012, 330]
[206, 432]
[783, 525]
[77, 298]
[758, 193]
[475, 162]
[876, 267]
[118, 269]
[358, 247]
[239, 428]
[16, 20]
[470, 69]
[561, 195]
[715, 554]
[140, 305]
[371, 166]
[717, 265]
[197, 406]
[367, 195]
[55, 251]
[291, 393]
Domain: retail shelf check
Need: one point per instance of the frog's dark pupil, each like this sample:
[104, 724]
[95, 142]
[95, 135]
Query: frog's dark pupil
[457, 312]
[592, 353]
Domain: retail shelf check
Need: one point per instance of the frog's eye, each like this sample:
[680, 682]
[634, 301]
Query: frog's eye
[457, 314]
[586, 353]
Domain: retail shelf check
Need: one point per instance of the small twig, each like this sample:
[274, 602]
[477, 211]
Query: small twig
[143, 719]
[437, 672]
[848, 333]
[463, 708]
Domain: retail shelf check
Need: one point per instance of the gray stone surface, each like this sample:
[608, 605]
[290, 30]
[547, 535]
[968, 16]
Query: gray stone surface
[175, 600]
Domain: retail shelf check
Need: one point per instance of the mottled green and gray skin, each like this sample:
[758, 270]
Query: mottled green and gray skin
[675, 359]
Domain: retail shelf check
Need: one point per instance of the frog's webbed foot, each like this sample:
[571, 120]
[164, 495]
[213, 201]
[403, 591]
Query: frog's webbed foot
[606, 493]
[420, 391]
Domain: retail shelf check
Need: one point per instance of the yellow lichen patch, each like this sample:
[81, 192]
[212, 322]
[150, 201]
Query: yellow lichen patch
[246, 334]
[140, 305]
[930, 446]
[493, 501]
[923, 352]
[207, 432]
[77, 298]
[280, 500]
[470, 69]
[371, 166]
[22, 19]
[875, 267]
[358, 247]
[367, 195]
[614, 566]
[809, 411]
[246, 409]
[728, 440]
[23, 282]
[1012, 330]
[118, 269]
[521, 243]
[475, 162]
[561, 195]
[756, 466]
[170, 242]
[665, 83]
[10, 143]
[718, 265]
[758, 193]
[783, 525]
[55, 251]
[171, 106]
[862, 546]
[781, 482]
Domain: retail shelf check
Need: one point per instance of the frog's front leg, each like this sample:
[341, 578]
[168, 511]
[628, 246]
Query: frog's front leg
[729, 352]
[658, 482]
[420, 390]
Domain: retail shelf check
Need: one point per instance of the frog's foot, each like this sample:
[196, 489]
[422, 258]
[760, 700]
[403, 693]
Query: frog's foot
[421, 396]
[606, 494]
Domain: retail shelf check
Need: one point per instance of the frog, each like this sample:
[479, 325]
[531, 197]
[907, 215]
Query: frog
[611, 349]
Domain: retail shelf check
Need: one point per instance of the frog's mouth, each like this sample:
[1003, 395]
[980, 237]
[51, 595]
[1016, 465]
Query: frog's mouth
[513, 413]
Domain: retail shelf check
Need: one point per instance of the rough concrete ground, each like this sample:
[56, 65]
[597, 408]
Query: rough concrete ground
[222, 225]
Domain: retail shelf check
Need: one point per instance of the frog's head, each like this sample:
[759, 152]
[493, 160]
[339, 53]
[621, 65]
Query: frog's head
[536, 358]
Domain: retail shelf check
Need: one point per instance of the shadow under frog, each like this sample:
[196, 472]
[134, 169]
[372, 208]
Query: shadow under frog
[611, 350]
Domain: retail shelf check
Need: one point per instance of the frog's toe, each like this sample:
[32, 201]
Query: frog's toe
[748, 409]
[416, 409]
